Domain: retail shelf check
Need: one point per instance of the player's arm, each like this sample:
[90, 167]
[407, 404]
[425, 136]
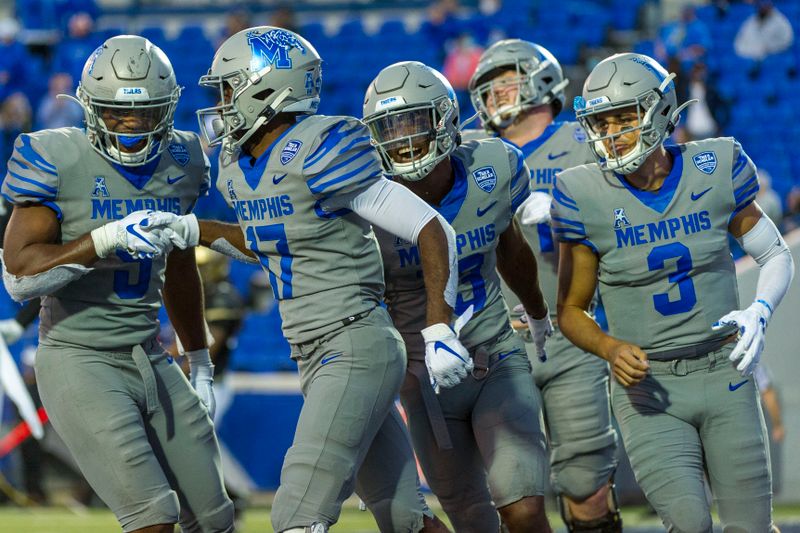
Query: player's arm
[577, 283]
[183, 299]
[225, 238]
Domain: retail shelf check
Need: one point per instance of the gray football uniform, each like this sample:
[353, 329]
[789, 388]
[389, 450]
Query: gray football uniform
[573, 383]
[665, 275]
[498, 406]
[100, 372]
[325, 270]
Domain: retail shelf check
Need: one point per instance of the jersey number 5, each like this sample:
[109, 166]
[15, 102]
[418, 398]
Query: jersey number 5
[273, 232]
[124, 286]
[656, 260]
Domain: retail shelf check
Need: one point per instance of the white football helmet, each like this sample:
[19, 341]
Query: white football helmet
[635, 83]
[128, 93]
[412, 114]
[256, 74]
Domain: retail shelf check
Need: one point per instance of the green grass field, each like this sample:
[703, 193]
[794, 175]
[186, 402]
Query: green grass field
[63, 520]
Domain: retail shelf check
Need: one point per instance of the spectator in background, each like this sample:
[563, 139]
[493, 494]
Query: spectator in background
[14, 59]
[459, 65]
[688, 39]
[709, 115]
[283, 17]
[57, 112]
[765, 32]
[768, 200]
[443, 24]
[235, 21]
[81, 41]
[15, 117]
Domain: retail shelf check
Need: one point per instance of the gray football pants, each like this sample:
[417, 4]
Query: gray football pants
[349, 435]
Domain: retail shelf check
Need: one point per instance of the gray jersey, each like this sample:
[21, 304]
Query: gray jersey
[323, 266]
[117, 303]
[665, 266]
[490, 184]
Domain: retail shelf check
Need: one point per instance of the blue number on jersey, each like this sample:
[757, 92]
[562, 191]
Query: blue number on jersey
[656, 260]
[469, 271]
[277, 233]
[123, 286]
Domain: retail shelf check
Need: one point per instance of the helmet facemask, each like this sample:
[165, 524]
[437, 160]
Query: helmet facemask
[131, 130]
[655, 121]
[412, 140]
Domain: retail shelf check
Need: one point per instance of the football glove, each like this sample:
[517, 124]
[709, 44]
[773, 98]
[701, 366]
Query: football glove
[128, 235]
[752, 323]
[185, 230]
[201, 376]
[11, 330]
[447, 360]
[536, 209]
[539, 330]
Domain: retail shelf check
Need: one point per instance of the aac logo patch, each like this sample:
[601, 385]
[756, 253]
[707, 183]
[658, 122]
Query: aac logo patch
[179, 153]
[706, 162]
[620, 219]
[485, 178]
[100, 188]
[290, 150]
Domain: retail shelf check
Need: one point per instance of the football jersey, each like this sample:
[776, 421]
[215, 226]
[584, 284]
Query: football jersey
[665, 266]
[323, 266]
[491, 181]
[117, 303]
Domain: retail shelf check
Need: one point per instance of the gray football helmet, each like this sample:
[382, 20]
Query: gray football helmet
[258, 73]
[412, 114]
[128, 93]
[539, 80]
[632, 83]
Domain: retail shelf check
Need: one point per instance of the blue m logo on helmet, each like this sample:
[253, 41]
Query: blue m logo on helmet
[272, 47]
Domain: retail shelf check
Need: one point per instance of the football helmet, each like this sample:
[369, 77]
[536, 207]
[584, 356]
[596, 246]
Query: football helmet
[128, 93]
[537, 76]
[412, 115]
[256, 74]
[632, 83]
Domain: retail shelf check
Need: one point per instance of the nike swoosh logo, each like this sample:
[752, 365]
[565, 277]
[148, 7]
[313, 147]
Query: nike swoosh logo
[226, 59]
[277, 179]
[480, 212]
[137, 234]
[326, 360]
[503, 355]
[697, 196]
[732, 387]
[556, 156]
[173, 181]
[439, 345]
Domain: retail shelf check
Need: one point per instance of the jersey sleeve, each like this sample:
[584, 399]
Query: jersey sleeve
[343, 161]
[745, 179]
[521, 180]
[566, 217]
[31, 176]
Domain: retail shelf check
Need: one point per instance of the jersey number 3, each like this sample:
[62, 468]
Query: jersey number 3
[656, 260]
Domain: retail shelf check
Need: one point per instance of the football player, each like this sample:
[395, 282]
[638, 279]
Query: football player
[305, 189]
[518, 90]
[649, 223]
[479, 443]
[139, 432]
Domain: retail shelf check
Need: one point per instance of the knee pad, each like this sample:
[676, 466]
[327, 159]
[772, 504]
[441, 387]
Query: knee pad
[316, 528]
[396, 515]
[580, 479]
[219, 520]
[686, 515]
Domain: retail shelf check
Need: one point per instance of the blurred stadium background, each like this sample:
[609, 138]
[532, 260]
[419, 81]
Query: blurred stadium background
[44, 44]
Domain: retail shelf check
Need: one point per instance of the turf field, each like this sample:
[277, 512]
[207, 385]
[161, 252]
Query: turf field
[64, 520]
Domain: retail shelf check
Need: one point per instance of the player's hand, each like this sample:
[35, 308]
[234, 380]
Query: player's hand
[201, 376]
[185, 228]
[129, 235]
[447, 360]
[629, 364]
[535, 209]
[752, 324]
[535, 330]
[11, 330]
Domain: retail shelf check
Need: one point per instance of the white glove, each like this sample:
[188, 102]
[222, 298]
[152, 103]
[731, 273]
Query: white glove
[447, 360]
[185, 228]
[201, 376]
[128, 235]
[535, 209]
[752, 323]
[540, 330]
[11, 330]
